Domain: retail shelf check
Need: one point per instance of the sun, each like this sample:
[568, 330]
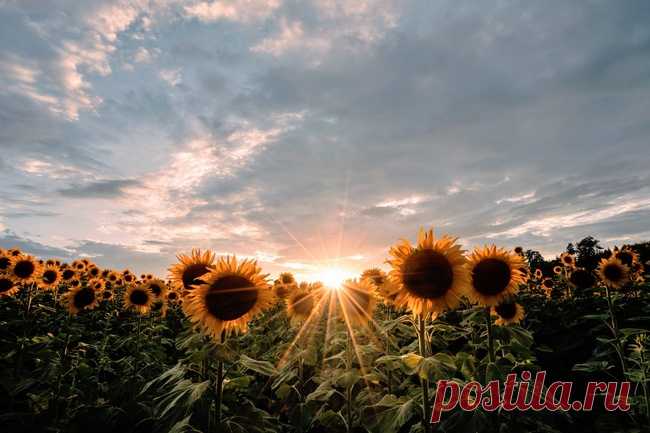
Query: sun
[333, 277]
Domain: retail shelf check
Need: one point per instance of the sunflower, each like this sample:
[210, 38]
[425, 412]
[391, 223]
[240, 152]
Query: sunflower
[173, 297]
[538, 274]
[128, 278]
[67, 273]
[519, 251]
[431, 277]
[386, 288]
[50, 278]
[113, 278]
[300, 305]
[25, 269]
[74, 283]
[97, 284]
[568, 259]
[50, 262]
[557, 270]
[495, 274]
[613, 272]
[547, 284]
[5, 261]
[627, 256]
[358, 301]
[81, 298]
[93, 271]
[582, 279]
[107, 295]
[14, 252]
[105, 273]
[284, 285]
[139, 298]
[231, 294]
[8, 287]
[508, 312]
[78, 266]
[189, 268]
[158, 288]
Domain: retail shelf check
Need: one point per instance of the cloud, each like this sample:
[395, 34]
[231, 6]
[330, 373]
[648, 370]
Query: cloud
[233, 10]
[110, 188]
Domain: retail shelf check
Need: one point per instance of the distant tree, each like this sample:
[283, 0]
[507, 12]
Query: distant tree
[588, 252]
[570, 248]
[535, 259]
[643, 250]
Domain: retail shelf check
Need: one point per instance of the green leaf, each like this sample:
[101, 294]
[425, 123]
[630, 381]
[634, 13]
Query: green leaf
[262, 367]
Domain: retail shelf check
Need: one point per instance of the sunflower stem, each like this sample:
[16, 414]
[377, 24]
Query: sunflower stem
[219, 384]
[612, 316]
[424, 382]
[488, 321]
[348, 390]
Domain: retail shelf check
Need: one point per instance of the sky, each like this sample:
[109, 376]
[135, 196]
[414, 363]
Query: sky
[315, 134]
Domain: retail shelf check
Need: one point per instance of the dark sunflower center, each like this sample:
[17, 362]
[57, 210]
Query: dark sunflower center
[193, 272]
[172, 296]
[567, 259]
[94, 272]
[507, 310]
[582, 279]
[4, 262]
[491, 276]
[107, 294]
[50, 276]
[67, 274]
[139, 297]
[229, 298]
[625, 257]
[5, 285]
[378, 280]
[287, 279]
[156, 289]
[24, 269]
[613, 272]
[83, 298]
[428, 274]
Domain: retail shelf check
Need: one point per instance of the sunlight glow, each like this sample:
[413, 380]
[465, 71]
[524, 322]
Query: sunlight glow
[333, 277]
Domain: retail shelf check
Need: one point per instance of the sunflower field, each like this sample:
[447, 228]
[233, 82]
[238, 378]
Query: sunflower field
[217, 345]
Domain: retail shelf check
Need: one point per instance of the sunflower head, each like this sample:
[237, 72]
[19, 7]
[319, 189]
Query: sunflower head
[50, 262]
[568, 259]
[557, 270]
[50, 278]
[519, 251]
[97, 284]
[14, 252]
[538, 274]
[78, 265]
[173, 297]
[613, 272]
[627, 256]
[8, 287]
[431, 277]
[74, 283]
[495, 275]
[128, 278]
[185, 273]
[284, 285]
[300, 304]
[5, 261]
[508, 312]
[158, 288]
[107, 295]
[93, 271]
[81, 298]
[548, 283]
[230, 295]
[138, 298]
[25, 269]
[67, 273]
[357, 301]
[582, 279]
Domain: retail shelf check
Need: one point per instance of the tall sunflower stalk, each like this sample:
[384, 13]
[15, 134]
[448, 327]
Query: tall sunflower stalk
[421, 330]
